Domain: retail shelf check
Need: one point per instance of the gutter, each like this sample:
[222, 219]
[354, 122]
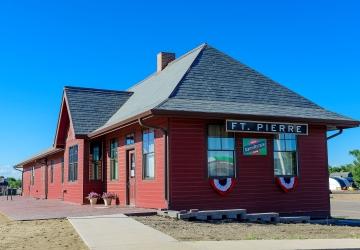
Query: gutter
[213, 115]
[336, 134]
[166, 158]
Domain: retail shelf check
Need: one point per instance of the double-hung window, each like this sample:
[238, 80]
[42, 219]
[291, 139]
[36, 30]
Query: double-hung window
[148, 154]
[130, 139]
[221, 152]
[95, 172]
[73, 163]
[114, 169]
[285, 155]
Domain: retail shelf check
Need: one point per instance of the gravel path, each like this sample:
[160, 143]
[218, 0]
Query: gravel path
[200, 231]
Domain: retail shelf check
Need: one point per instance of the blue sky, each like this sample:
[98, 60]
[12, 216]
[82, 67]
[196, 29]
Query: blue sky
[311, 47]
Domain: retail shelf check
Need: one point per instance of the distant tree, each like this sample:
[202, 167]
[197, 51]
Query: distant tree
[355, 169]
[14, 183]
[343, 168]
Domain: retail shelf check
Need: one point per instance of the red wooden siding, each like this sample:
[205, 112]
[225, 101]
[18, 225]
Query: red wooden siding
[73, 191]
[55, 188]
[255, 187]
[26, 182]
[37, 190]
[148, 193]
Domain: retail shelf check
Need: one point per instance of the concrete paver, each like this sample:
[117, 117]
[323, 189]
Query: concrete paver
[23, 208]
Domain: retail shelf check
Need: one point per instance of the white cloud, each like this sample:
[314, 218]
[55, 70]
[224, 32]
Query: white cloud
[9, 171]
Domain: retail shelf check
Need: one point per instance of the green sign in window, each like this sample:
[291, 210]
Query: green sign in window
[254, 146]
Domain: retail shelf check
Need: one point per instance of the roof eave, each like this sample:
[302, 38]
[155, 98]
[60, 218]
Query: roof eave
[327, 122]
[115, 126]
[38, 157]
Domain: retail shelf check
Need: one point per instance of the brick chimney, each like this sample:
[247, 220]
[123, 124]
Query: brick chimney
[163, 59]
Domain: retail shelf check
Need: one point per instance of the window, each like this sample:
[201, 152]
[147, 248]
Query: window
[129, 139]
[285, 155]
[221, 152]
[32, 176]
[73, 163]
[51, 171]
[95, 171]
[148, 154]
[62, 170]
[113, 160]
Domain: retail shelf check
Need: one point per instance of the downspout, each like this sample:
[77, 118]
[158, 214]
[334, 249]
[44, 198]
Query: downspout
[22, 178]
[336, 134]
[166, 158]
[46, 178]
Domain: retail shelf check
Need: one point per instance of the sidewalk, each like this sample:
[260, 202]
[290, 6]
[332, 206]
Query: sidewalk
[23, 208]
[122, 232]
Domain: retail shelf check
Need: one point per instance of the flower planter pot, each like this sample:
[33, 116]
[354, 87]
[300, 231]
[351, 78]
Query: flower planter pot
[107, 201]
[93, 201]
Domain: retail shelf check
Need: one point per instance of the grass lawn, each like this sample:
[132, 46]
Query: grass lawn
[196, 231]
[39, 234]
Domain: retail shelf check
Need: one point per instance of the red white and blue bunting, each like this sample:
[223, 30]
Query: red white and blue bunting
[223, 186]
[287, 184]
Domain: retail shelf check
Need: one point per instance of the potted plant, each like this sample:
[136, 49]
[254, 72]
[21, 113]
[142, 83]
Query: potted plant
[93, 197]
[107, 197]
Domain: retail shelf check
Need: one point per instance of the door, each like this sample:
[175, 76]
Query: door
[130, 166]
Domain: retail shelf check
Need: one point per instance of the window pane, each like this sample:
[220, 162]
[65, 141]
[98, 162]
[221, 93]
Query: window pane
[151, 141]
[290, 145]
[279, 145]
[280, 136]
[228, 143]
[115, 170]
[71, 172]
[96, 153]
[214, 137]
[221, 163]
[129, 139]
[149, 166]
[214, 130]
[145, 142]
[214, 143]
[75, 171]
[285, 163]
[290, 136]
[113, 149]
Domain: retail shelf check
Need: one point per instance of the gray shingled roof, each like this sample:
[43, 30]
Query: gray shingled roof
[155, 89]
[217, 83]
[207, 80]
[92, 108]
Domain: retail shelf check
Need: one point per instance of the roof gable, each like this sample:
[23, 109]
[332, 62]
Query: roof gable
[155, 89]
[91, 108]
[64, 125]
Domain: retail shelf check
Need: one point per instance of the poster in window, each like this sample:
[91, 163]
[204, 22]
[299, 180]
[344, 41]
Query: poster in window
[254, 146]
